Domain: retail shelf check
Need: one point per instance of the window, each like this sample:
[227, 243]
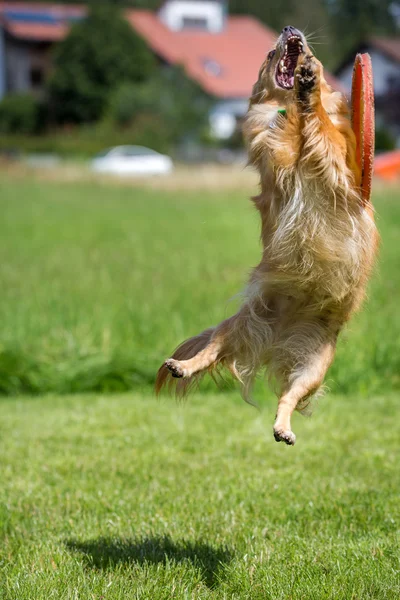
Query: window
[212, 67]
[37, 77]
[194, 23]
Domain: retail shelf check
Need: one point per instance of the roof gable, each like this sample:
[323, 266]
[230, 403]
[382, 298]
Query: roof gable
[39, 22]
[224, 64]
[389, 46]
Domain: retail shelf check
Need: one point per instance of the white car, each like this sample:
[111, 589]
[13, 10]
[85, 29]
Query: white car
[132, 160]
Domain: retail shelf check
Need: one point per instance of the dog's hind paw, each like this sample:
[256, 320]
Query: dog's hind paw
[284, 436]
[175, 368]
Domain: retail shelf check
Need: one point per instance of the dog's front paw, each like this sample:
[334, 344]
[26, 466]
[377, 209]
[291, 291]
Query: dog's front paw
[284, 436]
[307, 74]
[175, 368]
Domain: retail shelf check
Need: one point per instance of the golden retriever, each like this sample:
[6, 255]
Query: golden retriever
[319, 240]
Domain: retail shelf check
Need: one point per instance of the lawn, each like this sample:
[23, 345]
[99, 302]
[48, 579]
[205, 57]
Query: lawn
[124, 497]
[118, 495]
[100, 282]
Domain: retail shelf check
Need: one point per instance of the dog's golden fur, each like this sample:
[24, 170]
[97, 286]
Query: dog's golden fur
[319, 242]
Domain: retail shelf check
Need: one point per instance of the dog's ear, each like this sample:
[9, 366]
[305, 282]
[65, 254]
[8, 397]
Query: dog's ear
[259, 87]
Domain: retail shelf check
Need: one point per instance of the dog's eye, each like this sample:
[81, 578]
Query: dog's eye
[271, 54]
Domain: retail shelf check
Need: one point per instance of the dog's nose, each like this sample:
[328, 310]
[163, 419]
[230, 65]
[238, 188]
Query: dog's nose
[289, 29]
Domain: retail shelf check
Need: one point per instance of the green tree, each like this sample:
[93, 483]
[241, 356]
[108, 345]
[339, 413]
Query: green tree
[355, 20]
[310, 16]
[168, 95]
[100, 53]
[20, 113]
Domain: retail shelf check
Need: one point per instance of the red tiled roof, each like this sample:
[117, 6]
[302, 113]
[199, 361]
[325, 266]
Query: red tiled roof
[225, 64]
[390, 46]
[238, 51]
[71, 10]
[38, 32]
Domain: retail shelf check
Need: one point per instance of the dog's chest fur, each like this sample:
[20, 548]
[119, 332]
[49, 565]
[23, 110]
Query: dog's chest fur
[313, 241]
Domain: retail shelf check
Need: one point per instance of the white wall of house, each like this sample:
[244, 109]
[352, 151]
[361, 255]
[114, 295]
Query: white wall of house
[224, 117]
[179, 14]
[18, 67]
[3, 82]
[383, 67]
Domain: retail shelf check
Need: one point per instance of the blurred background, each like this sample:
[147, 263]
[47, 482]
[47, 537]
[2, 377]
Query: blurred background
[173, 75]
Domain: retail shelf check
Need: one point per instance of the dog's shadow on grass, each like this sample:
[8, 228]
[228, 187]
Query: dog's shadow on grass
[106, 553]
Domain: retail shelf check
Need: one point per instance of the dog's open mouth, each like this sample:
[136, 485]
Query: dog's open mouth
[286, 66]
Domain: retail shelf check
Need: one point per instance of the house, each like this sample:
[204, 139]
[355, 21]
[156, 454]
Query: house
[27, 34]
[221, 52]
[385, 58]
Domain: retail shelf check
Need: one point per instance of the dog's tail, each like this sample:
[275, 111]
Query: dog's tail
[187, 350]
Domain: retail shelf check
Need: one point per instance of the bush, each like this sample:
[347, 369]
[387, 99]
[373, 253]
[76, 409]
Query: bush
[85, 142]
[170, 96]
[384, 140]
[129, 101]
[20, 113]
[99, 54]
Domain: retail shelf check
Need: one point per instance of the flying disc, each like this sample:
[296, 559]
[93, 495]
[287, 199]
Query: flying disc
[363, 120]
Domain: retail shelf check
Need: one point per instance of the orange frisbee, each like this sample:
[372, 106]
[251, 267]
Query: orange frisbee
[363, 120]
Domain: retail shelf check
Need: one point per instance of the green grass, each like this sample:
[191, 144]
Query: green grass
[120, 496]
[99, 283]
[124, 497]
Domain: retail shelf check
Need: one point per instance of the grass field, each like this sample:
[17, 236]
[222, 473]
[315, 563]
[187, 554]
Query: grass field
[99, 283]
[119, 496]
[124, 497]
